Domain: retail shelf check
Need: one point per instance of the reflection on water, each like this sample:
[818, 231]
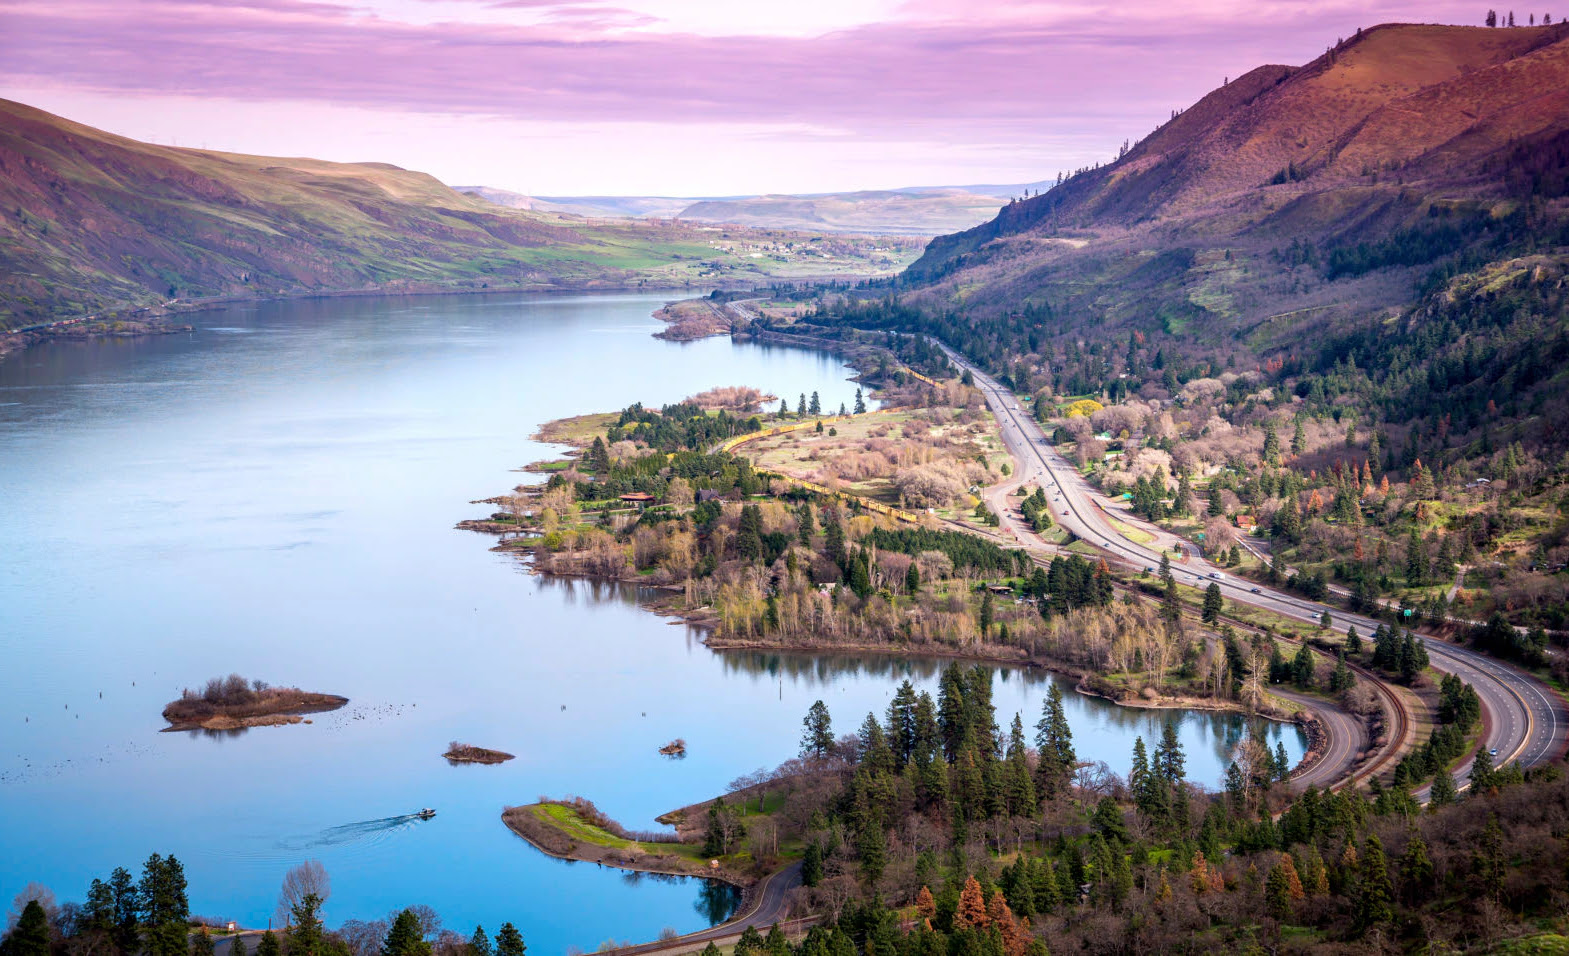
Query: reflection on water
[158, 494]
[716, 901]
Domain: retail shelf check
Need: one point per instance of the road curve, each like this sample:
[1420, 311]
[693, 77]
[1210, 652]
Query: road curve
[1526, 721]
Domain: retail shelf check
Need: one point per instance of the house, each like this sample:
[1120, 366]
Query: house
[638, 499]
[1246, 522]
[707, 494]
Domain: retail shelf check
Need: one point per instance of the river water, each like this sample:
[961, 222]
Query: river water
[274, 494]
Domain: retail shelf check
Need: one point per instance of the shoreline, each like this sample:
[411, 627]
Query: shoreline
[555, 840]
[154, 317]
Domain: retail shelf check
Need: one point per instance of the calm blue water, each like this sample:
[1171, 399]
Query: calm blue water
[275, 494]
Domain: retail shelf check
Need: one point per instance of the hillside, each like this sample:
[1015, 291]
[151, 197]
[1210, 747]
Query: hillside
[1331, 302]
[1347, 147]
[911, 211]
[95, 223]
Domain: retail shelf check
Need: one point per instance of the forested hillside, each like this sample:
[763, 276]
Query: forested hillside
[1328, 301]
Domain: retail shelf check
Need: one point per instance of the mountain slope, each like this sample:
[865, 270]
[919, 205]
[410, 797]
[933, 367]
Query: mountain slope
[1337, 147]
[95, 222]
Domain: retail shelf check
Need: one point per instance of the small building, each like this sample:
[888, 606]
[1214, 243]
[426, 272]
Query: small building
[1246, 522]
[707, 494]
[638, 499]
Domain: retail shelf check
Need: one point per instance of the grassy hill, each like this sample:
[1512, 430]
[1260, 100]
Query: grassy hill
[93, 223]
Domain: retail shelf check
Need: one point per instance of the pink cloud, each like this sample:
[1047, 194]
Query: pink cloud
[1018, 71]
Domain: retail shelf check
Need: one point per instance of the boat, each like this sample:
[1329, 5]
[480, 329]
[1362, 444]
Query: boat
[426, 813]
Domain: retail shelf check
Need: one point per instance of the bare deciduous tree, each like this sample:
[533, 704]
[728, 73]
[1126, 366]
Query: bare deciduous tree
[304, 880]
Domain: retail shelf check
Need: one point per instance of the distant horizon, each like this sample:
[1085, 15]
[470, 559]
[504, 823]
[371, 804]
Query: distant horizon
[666, 98]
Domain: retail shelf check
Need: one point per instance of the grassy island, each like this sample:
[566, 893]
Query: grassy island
[234, 703]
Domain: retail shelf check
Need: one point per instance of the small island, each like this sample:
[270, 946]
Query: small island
[234, 703]
[458, 752]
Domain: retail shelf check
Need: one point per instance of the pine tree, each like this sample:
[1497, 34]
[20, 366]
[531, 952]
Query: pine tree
[479, 943]
[812, 863]
[1374, 895]
[1271, 445]
[860, 403]
[971, 913]
[1416, 870]
[1443, 792]
[202, 944]
[31, 935]
[873, 851]
[163, 907]
[988, 613]
[509, 942]
[912, 579]
[1277, 894]
[1353, 641]
[307, 937]
[269, 945]
[237, 946]
[818, 739]
[1490, 858]
[1213, 603]
[1054, 741]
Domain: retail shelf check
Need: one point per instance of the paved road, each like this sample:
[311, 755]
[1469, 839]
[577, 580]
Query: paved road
[1525, 720]
[1346, 736]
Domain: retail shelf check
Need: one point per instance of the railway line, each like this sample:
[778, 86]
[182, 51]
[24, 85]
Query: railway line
[1525, 721]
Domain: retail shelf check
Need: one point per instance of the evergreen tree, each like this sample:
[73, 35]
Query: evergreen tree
[1054, 741]
[1353, 641]
[812, 863]
[479, 943]
[805, 526]
[163, 907]
[873, 851]
[31, 935]
[202, 944]
[1443, 792]
[818, 738]
[988, 613]
[1416, 870]
[1277, 893]
[1213, 603]
[1019, 788]
[1375, 893]
[269, 945]
[509, 942]
[816, 407]
[307, 937]
[1490, 858]
[912, 579]
[1271, 445]
[237, 946]
[98, 911]
[860, 403]
[599, 457]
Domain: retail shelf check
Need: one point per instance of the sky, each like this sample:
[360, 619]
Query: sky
[663, 97]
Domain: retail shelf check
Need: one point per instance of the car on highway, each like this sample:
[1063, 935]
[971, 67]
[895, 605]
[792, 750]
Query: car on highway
[1493, 752]
[1064, 514]
[1255, 591]
[1215, 575]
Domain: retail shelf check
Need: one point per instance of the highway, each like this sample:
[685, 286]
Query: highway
[1524, 720]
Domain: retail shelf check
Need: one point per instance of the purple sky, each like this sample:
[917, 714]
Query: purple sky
[672, 97]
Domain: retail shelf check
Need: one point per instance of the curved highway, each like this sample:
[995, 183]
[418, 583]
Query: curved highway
[1525, 721]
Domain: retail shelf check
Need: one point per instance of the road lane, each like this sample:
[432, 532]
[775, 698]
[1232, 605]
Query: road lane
[1526, 720]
